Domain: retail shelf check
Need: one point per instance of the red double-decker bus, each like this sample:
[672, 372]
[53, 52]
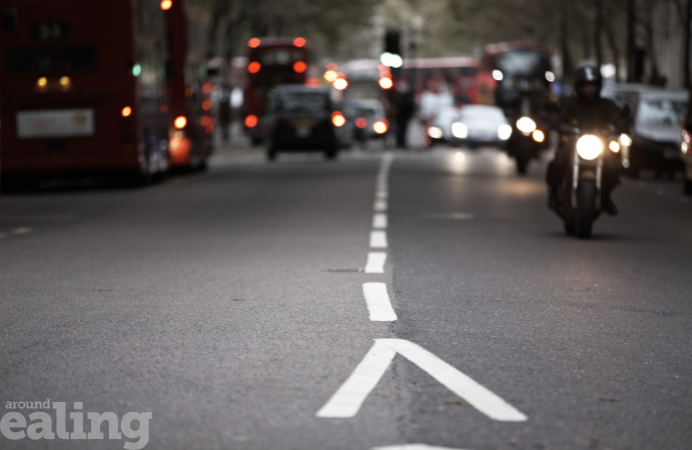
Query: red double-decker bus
[271, 62]
[190, 120]
[456, 75]
[83, 87]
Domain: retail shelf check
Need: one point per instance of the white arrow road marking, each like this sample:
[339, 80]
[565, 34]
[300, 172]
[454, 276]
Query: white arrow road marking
[377, 299]
[375, 263]
[378, 239]
[379, 220]
[350, 396]
[414, 447]
[478, 396]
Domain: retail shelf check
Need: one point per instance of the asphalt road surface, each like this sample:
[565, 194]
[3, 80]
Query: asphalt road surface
[231, 306]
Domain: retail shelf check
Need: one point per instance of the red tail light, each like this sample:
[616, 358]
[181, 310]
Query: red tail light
[361, 122]
[254, 67]
[300, 67]
[251, 121]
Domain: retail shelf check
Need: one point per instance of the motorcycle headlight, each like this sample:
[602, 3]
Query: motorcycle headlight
[538, 136]
[526, 125]
[589, 147]
[435, 132]
[625, 140]
[459, 130]
[504, 131]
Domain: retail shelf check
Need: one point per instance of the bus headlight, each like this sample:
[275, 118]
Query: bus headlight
[435, 132]
[538, 136]
[504, 131]
[625, 140]
[589, 147]
[526, 125]
[459, 130]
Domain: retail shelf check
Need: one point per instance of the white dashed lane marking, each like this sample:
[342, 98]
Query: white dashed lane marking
[414, 447]
[380, 205]
[375, 263]
[377, 300]
[378, 239]
[379, 220]
[22, 230]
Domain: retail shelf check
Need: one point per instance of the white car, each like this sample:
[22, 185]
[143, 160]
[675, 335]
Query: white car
[481, 125]
[656, 132]
[439, 126]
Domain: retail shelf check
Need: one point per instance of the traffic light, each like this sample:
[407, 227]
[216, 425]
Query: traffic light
[392, 42]
[392, 49]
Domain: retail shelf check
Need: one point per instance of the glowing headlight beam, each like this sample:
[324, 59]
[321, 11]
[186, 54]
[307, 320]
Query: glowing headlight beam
[460, 130]
[526, 125]
[589, 147]
[625, 140]
[504, 132]
[538, 136]
[435, 132]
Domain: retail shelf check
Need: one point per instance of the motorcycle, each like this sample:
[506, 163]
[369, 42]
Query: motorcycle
[529, 136]
[580, 193]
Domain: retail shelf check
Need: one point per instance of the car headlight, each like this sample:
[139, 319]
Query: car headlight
[435, 132]
[589, 147]
[459, 130]
[526, 125]
[504, 131]
[625, 140]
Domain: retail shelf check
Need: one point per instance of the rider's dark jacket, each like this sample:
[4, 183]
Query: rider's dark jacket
[589, 115]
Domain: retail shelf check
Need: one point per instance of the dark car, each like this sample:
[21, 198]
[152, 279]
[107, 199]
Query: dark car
[656, 132]
[300, 119]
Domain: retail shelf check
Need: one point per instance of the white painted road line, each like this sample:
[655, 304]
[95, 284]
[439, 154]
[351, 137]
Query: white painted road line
[381, 195]
[22, 230]
[414, 447]
[478, 396]
[380, 205]
[347, 400]
[378, 239]
[379, 220]
[377, 299]
[375, 262]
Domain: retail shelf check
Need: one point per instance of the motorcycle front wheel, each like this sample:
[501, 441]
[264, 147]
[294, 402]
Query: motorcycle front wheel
[586, 209]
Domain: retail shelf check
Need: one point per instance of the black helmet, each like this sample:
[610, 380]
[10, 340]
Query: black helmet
[588, 74]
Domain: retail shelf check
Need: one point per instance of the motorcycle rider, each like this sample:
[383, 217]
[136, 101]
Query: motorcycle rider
[592, 113]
